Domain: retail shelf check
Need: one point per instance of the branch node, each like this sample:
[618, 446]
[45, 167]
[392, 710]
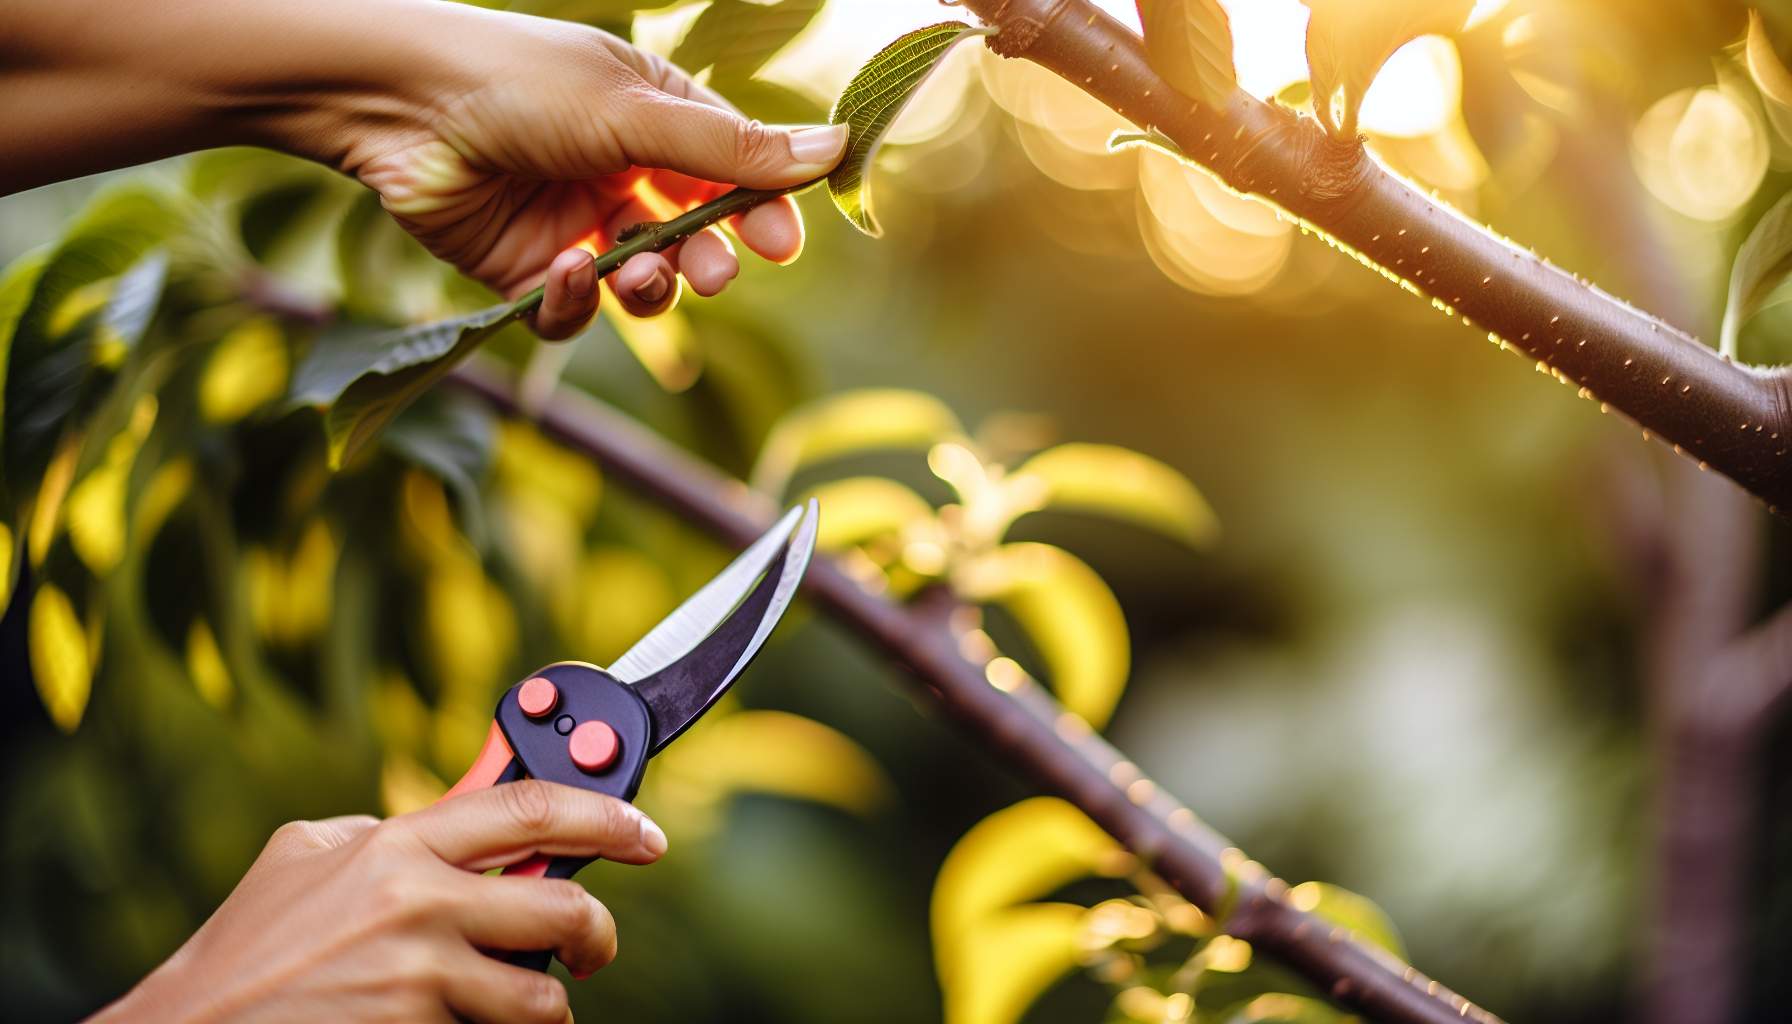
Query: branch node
[1018, 30]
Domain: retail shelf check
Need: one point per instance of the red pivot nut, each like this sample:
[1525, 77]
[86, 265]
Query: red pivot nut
[538, 697]
[593, 746]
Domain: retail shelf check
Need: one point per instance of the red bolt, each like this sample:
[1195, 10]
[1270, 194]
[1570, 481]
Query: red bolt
[537, 697]
[593, 746]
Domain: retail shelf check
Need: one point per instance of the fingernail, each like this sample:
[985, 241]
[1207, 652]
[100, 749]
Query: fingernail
[654, 288]
[819, 146]
[652, 839]
[583, 279]
[569, 1019]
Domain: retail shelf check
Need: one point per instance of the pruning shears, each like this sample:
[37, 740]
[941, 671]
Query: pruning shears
[595, 728]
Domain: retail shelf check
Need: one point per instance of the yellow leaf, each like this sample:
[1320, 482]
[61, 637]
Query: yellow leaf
[60, 659]
[1354, 912]
[617, 595]
[469, 626]
[1118, 482]
[1282, 1008]
[1189, 43]
[246, 370]
[78, 305]
[205, 663]
[46, 510]
[290, 596]
[665, 345]
[96, 519]
[865, 508]
[848, 423]
[528, 463]
[1068, 613]
[1764, 63]
[407, 786]
[167, 486]
[1015, 855]
[398, 712]
[1008, 960]
[771, 752]
[1348, 41]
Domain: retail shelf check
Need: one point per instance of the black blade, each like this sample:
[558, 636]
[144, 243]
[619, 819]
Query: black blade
[680, 693]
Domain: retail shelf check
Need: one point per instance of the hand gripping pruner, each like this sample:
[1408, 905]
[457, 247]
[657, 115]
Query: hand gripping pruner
[594, 728]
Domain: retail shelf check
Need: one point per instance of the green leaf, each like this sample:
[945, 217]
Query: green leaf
[849, 423]
[1118, 482]
[50, 355]
[1189, 43]
[366, 377]
[1344, 908]
[735, 38]
[1067, 612]
[869, 104]
[1348, 41]
[1762, 264]
[452, 437]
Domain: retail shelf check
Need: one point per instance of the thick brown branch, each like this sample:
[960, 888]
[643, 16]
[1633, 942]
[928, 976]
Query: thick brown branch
[1736, 419]
[1052, 748]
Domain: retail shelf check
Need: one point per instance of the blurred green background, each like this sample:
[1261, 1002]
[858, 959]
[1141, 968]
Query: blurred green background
[1408, 664]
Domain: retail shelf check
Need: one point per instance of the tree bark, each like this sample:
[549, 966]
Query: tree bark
[1024, 727]
[1734, 418]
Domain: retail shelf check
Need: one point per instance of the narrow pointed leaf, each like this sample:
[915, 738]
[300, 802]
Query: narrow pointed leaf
[1069, 615]
[1016, 855]
[1348, 41]
[870, 103]
[849, 423]
[1762, 264]
[1118, 482]
[1189, 43]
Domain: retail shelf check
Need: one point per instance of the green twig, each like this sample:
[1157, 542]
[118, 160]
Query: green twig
[658, 236]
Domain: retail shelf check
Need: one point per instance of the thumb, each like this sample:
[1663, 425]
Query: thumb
[719, 145]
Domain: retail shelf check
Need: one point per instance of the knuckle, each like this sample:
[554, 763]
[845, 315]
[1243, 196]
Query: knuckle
[570, 906]
[541, 997]
[755, 145]
[530, 804]
[294, 835]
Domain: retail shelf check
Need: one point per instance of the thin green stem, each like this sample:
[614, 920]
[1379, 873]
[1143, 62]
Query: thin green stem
[663, 235]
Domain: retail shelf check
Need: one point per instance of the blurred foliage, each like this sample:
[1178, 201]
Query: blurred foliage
[1410, 667]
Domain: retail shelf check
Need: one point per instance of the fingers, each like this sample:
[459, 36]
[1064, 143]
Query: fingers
[708, 262]
[709, 142]
[774, 231]
[646, 284]
[488, 828]
[570, 297]
[487, 991]
[512, 913]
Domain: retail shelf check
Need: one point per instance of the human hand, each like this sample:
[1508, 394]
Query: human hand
[356, 919]
[543, 140]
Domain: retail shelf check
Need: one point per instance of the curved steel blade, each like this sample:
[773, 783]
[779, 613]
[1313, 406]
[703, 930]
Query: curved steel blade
[703, 611]
[680, 693]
